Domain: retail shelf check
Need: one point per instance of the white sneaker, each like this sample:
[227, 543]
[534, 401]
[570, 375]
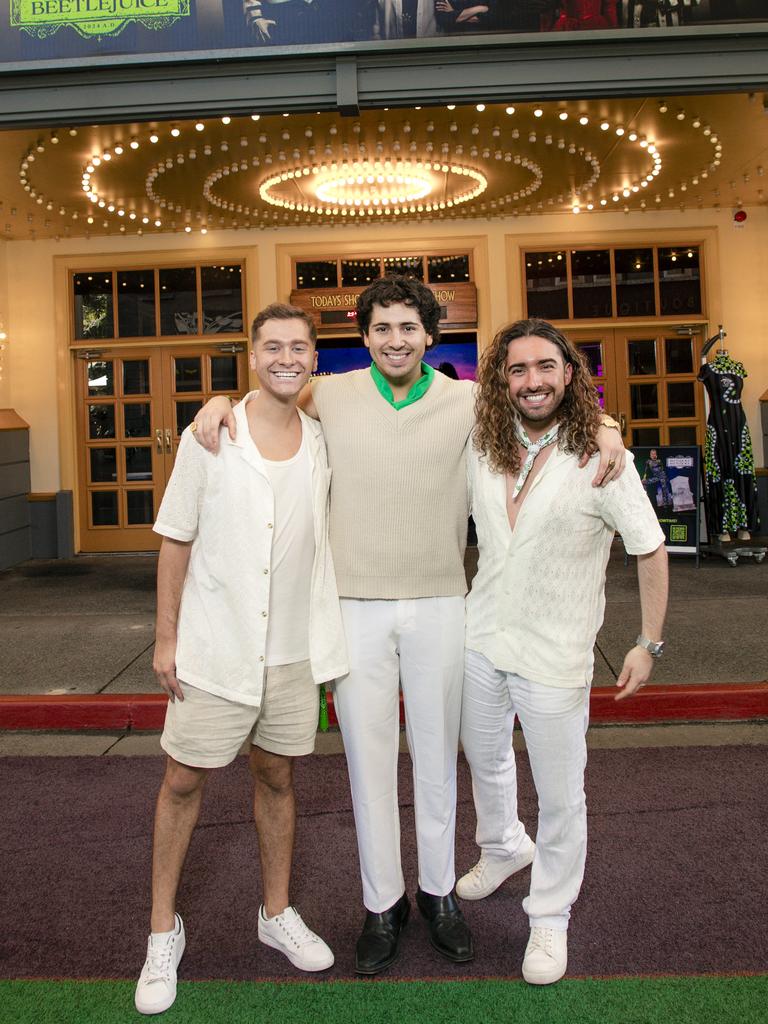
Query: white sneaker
[489, 872]
[156, 988]
[288, 933]
[546, 956]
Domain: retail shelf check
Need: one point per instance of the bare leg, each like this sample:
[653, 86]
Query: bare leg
[274, 810]
[176, 814]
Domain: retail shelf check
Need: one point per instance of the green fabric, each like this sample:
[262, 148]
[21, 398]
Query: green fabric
[417, 390]
[711, 999]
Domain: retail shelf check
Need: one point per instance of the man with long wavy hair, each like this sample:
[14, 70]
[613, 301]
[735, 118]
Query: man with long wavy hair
[536, 605]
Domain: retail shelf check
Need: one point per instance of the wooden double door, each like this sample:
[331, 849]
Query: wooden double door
[132, 406]
[646, 379]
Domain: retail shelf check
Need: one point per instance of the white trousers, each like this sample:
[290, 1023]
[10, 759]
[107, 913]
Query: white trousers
[417, 644]
[554, 722]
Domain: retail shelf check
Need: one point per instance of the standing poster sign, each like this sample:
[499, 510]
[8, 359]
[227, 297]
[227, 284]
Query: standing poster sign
[671, 479]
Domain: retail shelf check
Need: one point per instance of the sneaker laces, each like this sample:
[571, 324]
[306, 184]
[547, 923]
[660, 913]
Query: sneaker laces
[541, 938]
[477, 871]
[295, 929]
[159, 961]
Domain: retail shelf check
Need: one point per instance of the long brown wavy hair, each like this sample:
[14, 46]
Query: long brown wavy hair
[579, 414]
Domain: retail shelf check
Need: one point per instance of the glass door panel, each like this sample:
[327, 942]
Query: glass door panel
[597, 349]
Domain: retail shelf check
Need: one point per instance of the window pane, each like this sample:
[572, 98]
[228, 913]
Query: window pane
[679, 281]
[136, 303]
[642, 358]
[442, 269]
[645, 401]
[224, 373]
[188, 374]
[634, 282]
[546, 285]
[101, 378]
[104, 508]
[645, 437]
[683, 435]
[139, 507]
[94, 315]
[681, 400]
[600, 389]
[316, 274]
[358, 272]
[679, 353]
[591, 276]
[409, 266]
[101, 421]
[136, 377]
[222, 299]
[178, 301]
[138, 463]
[593, 353]
[185, 413]
[103, 465]
[136, 418]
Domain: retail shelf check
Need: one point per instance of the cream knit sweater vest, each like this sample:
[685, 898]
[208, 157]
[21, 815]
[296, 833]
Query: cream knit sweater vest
[398, 492]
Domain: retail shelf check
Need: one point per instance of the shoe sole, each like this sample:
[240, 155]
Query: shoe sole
[166, 1006]
[266, 941]
[481, 895]
[533, 979]
[368, 972]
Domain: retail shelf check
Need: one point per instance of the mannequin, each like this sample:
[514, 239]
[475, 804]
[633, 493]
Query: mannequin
[729, 465]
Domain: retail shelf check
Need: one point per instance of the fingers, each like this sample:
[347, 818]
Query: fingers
[634, 674]
[229, 421]
[610, 467]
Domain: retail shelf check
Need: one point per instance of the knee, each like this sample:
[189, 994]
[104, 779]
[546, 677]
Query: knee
[275, 777]
[182, 782]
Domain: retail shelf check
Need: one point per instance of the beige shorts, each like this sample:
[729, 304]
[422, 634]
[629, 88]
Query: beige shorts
[206, 731]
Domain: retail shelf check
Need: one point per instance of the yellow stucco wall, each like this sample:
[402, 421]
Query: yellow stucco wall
[37, 372]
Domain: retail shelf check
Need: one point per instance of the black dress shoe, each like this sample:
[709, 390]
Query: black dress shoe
[379, 940]
[448, 931]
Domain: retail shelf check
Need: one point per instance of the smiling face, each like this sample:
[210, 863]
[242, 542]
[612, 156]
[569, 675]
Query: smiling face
[283, 356]
[537, 376]
[397, 342]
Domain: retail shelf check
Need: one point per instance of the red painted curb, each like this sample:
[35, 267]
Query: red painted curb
[687, 702]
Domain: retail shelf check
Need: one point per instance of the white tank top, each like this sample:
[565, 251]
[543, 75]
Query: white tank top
[293, 552]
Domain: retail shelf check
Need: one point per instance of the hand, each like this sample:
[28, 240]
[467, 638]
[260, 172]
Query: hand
[635, 672]
[613, 456]
[443, 6]
[262, 26]
[164, 666]
[216, 411]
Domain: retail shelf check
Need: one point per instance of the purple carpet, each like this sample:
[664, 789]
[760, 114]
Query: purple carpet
[675, 882]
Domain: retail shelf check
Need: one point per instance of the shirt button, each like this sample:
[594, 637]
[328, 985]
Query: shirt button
[261, 657]
[266, 572]
[269, 526]
[263, 615]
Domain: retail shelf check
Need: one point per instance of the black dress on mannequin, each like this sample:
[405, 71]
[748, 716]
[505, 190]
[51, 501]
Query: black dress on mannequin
[729, 464]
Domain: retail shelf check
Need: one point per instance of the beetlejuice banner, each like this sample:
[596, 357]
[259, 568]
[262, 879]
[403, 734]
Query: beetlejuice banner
[54, 30]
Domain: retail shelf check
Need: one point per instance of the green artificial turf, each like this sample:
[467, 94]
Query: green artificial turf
[696, 1000]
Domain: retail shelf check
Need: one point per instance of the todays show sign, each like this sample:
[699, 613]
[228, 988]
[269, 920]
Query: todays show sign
[42, 18]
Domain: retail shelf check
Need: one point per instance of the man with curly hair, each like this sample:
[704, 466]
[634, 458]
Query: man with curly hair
[536, 605]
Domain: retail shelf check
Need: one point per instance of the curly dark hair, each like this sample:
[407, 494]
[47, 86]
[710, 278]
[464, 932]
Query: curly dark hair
[579, 414]
[386, 291]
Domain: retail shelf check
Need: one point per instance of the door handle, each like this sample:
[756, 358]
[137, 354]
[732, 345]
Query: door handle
[159, 441]
[168, 442]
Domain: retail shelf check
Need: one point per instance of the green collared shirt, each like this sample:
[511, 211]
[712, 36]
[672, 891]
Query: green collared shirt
[417, 390]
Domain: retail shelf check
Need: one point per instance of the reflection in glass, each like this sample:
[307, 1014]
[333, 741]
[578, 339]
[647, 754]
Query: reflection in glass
[101, 421]
[683, 435]
[358, 272]
[104, 508]
[591, 277]
[679, 353]
[600, 389]
[185, 413]
[593, 353]
[681, 400]
[136, 377]
[222, 299]
[642, 358]
[645, 401]
[103, 465]
[101, 378]
[408, 266]
[178, 300]
[645, 437]
[94, 314]
[316, 274]
[634, 282]
[188, 374]
[679, 281]
[138, 463]
[546, 284]
[447, 269]
[136, 303]
[139, 505]
[224, 373]
[136, 419]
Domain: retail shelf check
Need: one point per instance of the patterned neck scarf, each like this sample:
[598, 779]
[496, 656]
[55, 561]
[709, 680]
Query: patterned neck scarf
[533, 448]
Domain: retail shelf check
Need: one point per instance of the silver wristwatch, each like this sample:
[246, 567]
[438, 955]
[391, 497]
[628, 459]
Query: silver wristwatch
[654, 649]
